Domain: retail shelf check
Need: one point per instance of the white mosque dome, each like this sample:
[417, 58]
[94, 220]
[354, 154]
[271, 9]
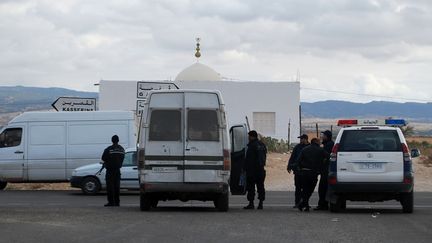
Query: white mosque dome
[198, 72]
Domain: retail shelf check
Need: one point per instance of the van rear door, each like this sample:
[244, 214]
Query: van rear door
[204, 138]
[239, 140]
[164, 146]
[370, 155]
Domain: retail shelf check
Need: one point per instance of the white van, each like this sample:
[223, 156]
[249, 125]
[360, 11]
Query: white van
[48, 146]
[184, 150]
[371, 162]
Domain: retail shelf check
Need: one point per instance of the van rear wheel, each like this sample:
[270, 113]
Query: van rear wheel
[222, 202]
[407, 202]
[145, 202]
[3, 185]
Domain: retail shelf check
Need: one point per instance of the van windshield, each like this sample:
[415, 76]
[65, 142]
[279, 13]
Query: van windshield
[370, 140]
[203, 125]
[165, 125]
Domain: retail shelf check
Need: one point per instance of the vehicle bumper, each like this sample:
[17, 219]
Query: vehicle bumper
[76, 181]
[371, 187]
[185, 187]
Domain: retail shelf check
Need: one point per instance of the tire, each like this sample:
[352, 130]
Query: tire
[3, 185]
[154, 203]
[145, 202]
[407, 202]
[222, 202]
[90, 185]
[336, 207]
[343, 204]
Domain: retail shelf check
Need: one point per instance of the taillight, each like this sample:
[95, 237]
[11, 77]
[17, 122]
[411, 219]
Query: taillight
[408, 180]
[141, 158]
[332, 180]
[333, 159]
[226, 159]
[407, 165]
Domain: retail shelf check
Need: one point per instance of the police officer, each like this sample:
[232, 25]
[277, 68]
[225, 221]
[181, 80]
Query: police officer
[310, 164]
[328, 143]
[113, 160]
[292, 166]
[254, 168]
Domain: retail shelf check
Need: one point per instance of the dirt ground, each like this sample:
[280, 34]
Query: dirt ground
[277, 179]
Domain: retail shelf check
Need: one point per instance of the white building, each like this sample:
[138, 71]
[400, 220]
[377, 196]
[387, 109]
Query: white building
[269, 106]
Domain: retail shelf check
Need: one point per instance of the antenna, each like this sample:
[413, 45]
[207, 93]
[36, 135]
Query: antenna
[198, 53]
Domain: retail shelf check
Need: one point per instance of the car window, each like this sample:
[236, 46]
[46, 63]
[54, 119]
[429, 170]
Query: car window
[130, 159]
[165, 125]
[10, 137]
[372, 140]
[203, 125]
[238, 139]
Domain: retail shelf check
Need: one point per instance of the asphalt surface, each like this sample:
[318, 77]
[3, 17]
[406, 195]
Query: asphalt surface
[69, 216]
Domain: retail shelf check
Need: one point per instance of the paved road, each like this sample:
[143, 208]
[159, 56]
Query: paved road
[69, 216]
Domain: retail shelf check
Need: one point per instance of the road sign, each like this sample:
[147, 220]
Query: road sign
[139, 107]
[74, 104]
[144, 87]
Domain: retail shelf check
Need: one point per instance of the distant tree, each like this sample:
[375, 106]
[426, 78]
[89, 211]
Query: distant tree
[408, 131]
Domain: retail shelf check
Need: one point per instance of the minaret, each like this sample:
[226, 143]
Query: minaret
[198, 53]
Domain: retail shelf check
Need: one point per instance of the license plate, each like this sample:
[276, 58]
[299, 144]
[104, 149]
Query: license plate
[371, 166]
[164, 169]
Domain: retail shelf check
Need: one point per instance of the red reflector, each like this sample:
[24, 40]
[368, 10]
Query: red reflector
[332, 180]
[347, 122]
[405, 148]
[335, 148]
[407, 180]
[227, 159]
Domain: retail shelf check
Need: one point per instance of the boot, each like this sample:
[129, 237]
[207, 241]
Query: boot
[260, 205]
[250, 205]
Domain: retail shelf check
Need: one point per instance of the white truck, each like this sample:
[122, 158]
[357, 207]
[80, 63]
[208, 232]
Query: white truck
[184, 150]
[48, 146]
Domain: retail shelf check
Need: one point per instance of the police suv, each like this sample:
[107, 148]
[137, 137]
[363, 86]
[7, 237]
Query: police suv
[371, 162]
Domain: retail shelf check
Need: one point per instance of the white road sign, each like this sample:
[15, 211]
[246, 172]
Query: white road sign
[144, 87]
[74, 104]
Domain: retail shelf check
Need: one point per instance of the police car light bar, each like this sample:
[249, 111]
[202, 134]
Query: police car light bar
[372, 122]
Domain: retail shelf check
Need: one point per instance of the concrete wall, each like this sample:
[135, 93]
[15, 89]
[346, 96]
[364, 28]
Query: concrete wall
[241, 99]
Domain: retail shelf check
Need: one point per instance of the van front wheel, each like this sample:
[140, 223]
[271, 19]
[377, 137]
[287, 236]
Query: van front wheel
[222, 202]
[3, 185]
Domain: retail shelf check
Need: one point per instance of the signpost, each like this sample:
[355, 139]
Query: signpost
[74, 104]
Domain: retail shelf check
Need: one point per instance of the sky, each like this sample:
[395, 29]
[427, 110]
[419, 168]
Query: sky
[358, 50]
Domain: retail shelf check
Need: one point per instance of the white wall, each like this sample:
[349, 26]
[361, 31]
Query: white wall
[241, 99]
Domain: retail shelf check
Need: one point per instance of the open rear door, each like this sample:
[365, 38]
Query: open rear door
[239, 140]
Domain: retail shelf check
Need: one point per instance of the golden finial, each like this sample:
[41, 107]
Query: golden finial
[198, 53]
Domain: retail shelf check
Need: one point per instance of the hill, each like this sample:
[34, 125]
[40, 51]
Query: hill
[344, 109]
[19, 98]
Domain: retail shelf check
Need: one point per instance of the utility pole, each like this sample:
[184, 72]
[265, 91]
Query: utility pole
[289, 134]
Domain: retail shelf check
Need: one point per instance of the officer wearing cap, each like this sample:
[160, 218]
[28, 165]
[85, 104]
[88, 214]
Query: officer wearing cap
[327, 142]
[113, 160]
[254, 167]
[293, 166]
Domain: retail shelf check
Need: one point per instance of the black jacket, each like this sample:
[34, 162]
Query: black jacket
[255, 155]
[312, 158]
[295, 155]
[328, 147]
[113, 157]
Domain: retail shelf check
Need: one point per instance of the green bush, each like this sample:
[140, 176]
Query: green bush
[275, 145]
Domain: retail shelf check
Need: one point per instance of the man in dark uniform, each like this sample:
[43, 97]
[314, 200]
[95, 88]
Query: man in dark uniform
[292, 166]
[328, 143]
[310, 164]
[113, 160]
[254, 168]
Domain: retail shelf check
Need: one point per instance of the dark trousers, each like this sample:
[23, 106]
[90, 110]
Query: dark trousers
[297, 184]
[322, 190]
[255, 179]
[309, 180]
[112, 179]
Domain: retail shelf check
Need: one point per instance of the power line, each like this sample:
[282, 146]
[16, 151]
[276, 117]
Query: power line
[367, 95]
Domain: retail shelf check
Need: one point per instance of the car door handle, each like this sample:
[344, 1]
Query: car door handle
[19, 152]
[135, 168]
